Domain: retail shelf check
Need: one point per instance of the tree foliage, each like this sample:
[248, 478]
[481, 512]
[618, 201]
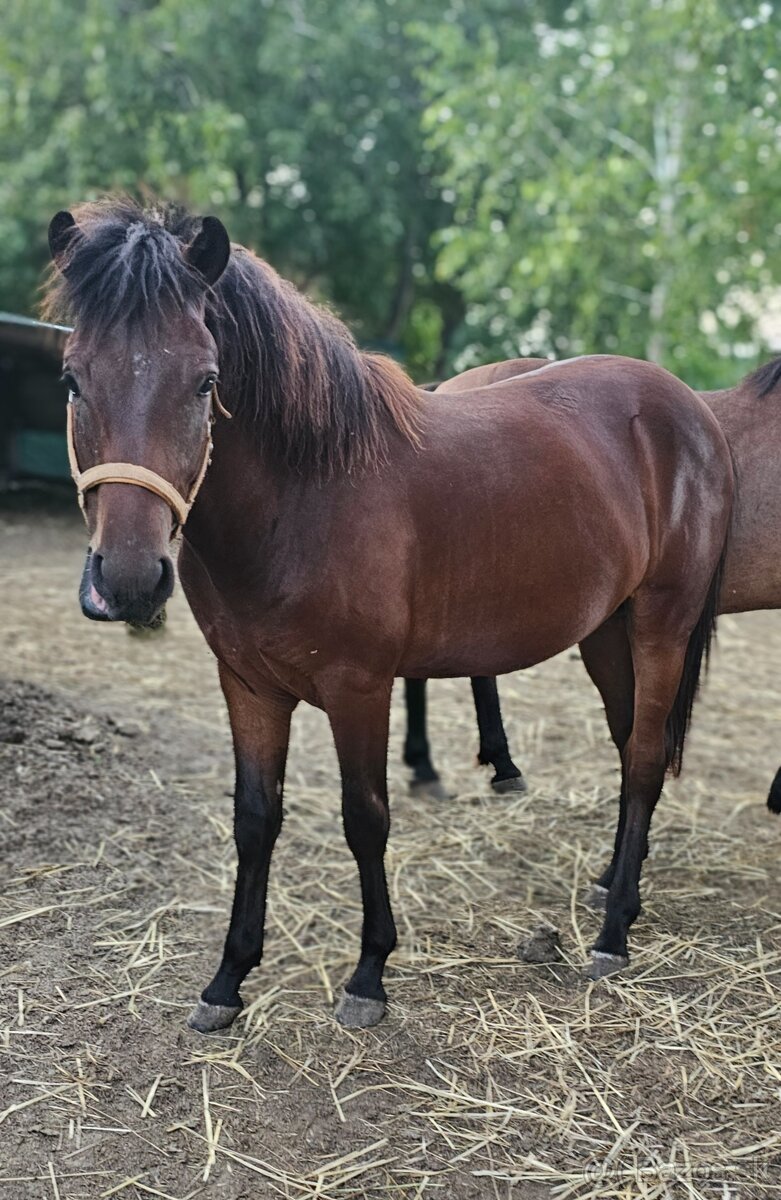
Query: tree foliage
[462, 181]
[612, 173]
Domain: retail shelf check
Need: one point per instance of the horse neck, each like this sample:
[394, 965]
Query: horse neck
[241, 494]
[737, 409]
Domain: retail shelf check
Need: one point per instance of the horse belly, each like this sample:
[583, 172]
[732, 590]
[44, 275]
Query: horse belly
[545, 591]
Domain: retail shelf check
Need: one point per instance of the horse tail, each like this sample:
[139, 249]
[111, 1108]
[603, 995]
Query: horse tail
[697, 650]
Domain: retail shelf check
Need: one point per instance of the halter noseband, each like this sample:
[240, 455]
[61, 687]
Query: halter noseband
[120, 472]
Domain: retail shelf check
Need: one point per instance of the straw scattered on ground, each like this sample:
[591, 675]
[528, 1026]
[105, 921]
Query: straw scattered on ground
[490, 1077]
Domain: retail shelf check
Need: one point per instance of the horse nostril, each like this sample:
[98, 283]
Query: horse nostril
[166, 581]
[96, 571]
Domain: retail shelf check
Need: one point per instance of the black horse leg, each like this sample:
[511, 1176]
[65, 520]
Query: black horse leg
[493, 740]
[359, 721]
[774, 797]
[260, 722]
[417, 754]
[607, 656]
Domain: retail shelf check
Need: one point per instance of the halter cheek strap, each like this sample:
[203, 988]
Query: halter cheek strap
[119, 472]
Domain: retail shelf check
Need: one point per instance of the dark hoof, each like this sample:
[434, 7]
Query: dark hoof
[596, 897]
[603, 964]
[208, 1018]
[774, 796]
[358, 1012]
[429, 789]
[505, 786]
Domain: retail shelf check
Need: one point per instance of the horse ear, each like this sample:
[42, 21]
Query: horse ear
[209, 251]
[62, 230]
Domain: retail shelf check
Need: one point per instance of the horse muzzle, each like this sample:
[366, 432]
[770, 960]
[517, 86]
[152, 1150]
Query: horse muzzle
[115, 589]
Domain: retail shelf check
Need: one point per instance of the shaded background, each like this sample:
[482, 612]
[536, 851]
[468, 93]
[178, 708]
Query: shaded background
[463, 181]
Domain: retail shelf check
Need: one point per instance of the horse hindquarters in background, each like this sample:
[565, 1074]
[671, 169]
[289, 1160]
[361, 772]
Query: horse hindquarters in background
[493, 749]
[750, 417]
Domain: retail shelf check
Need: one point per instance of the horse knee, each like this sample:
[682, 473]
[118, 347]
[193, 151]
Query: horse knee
[256, 825]
[366, 820]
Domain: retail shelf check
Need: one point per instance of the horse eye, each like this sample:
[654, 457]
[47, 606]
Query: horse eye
[205, 388]
[70, 384]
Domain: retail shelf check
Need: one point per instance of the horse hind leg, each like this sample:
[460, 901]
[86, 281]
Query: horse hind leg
[425, 779]
[668, 644]
[607, 656]
[658, 672]
[494, 750]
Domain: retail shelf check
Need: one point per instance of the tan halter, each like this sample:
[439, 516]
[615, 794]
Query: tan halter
[119, 472]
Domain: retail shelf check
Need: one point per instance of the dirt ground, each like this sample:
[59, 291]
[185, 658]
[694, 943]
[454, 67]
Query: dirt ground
[489, 1078]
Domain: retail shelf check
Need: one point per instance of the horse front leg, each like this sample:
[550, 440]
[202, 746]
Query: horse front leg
[359, 719]
[494, 750]
[260, 723]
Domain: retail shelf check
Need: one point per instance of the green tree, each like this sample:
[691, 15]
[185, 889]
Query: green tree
[298, 122]
[612, 174]
[464, 182]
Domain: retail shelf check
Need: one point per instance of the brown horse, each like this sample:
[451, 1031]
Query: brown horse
[750, 417]
[352, 529]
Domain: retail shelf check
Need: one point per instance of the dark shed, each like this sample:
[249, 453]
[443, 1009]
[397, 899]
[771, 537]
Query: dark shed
[32, 400]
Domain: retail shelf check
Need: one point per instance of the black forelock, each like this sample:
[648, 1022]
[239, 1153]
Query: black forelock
[124, 265]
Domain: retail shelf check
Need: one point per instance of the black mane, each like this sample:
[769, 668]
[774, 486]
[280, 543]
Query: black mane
[317, 402]
[766, 378]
